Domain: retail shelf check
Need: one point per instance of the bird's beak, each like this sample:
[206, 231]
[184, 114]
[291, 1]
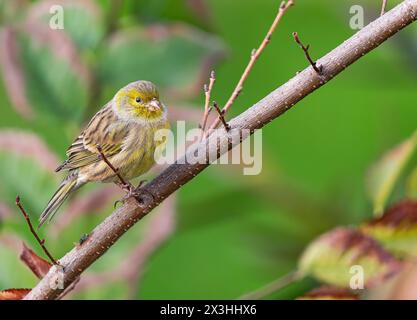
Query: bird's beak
[154, 105]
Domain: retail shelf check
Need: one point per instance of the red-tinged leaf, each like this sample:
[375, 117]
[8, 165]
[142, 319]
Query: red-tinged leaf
[28, 145]
[83, 20]
[38, 265]
[13, 74]
[335, 257]
[13, 294]
[329, 293]
[385, 173]
[396, 229]
[60, 45]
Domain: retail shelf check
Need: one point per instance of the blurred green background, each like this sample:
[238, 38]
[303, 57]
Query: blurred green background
[223, 234]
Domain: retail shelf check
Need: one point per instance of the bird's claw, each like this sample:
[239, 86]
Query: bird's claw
[131, 191]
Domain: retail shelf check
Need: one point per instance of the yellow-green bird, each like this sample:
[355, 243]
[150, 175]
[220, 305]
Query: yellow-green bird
[124, 129]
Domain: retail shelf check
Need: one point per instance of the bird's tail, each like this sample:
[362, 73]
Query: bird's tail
[67, 186]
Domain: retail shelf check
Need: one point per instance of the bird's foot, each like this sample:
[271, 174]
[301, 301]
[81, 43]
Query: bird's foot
[132, 191]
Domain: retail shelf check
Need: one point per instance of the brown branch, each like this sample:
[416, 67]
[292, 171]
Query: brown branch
[221, 116]
[41, 242]
[207, 92]
[313, 63]
[176, 175]
[254, 57]
[384, 5]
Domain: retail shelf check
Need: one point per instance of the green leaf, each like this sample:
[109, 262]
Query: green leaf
[54, 87]
[335, 256]
[22, 175]
[385, 173]
[83, 20]
[412, 184]
[396, 229]
[171, 56]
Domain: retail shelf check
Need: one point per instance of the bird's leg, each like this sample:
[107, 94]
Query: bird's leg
[126, 186]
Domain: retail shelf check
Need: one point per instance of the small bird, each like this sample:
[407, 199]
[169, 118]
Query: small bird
[123, 131]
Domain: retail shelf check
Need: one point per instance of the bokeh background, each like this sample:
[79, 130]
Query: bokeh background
[223, 234]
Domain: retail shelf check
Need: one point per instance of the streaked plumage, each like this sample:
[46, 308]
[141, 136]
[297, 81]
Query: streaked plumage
[124, 128]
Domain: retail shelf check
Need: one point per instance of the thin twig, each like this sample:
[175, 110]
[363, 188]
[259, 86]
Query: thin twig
[254, 57]
[384, 5]
[272, 106]
[116, 171]
[207, 91]
[221, 116]
[272, 287]
[41, 242]
[307, 54]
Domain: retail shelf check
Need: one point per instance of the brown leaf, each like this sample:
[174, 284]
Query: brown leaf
[13, 294]
[30, 145]
[13, 75]
[329, 293]
[396, 229]
[404, 212]
[38, 265]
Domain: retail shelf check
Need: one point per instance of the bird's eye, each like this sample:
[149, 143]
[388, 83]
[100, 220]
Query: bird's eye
[138, 100]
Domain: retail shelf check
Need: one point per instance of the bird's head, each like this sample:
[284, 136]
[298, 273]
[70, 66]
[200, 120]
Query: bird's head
[139, 100]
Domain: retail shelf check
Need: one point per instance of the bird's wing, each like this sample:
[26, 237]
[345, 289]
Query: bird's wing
[104, 130]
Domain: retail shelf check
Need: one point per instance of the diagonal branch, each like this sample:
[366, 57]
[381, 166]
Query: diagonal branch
[269, 108]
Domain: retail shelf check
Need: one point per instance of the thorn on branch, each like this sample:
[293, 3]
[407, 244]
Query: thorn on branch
[221, 116]
[318, 69]
[384, 5]
[32, 230]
